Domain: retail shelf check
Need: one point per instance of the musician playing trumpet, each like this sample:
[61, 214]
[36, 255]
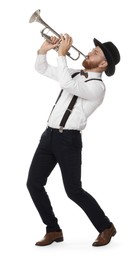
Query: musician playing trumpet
[82, 92]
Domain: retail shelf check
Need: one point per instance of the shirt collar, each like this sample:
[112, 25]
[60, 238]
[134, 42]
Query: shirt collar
[92, 74]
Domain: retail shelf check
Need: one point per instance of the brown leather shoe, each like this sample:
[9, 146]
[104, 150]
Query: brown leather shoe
[49, 238]
[105, 237]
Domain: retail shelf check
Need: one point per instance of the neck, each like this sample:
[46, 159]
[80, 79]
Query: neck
[94, 70]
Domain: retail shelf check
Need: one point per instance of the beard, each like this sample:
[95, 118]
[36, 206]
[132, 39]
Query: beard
[89, 64]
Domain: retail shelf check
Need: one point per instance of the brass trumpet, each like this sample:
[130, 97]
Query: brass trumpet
[36, 18]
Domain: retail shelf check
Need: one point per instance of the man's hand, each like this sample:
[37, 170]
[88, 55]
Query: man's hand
[65, 44]
[46, 46]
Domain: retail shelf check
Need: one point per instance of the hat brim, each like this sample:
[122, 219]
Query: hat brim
[111, 65]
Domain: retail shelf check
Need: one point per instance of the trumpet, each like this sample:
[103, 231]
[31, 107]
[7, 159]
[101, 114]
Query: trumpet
[36, 18]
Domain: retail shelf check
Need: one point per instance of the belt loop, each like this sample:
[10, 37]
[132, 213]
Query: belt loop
[61, 129]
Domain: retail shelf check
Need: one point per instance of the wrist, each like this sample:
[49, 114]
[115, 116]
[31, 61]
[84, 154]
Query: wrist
[61, 53]
[42, 52]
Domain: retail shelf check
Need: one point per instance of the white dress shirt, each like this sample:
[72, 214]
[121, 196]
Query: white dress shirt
[90, 94]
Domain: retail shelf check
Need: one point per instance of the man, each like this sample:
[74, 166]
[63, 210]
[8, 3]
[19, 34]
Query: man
[61, 141]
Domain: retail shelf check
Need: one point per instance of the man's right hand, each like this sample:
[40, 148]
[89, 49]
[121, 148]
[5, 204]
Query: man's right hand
[47, 46]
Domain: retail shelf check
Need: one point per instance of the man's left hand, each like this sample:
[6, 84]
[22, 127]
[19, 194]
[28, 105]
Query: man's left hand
[65, 44]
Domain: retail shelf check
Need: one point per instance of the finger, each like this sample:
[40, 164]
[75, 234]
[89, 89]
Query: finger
[66, 35]
[62, 37]
[53, 39]
[68, 38]
[71, 40]
[57, 40]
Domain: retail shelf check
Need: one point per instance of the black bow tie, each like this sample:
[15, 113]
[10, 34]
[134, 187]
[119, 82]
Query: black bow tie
[82, 72]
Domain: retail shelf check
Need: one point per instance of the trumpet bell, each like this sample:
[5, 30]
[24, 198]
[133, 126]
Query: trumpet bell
[35, 16]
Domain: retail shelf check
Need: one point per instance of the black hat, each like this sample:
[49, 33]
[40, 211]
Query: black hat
[111, 54]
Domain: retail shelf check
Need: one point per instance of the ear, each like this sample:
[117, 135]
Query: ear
[103, 64]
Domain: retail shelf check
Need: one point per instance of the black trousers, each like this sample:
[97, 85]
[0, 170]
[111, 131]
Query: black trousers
[65, 149]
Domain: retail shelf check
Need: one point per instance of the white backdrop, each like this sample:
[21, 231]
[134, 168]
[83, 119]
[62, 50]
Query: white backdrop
[108, 141]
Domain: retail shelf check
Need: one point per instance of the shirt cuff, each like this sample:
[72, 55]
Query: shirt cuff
[41, 56]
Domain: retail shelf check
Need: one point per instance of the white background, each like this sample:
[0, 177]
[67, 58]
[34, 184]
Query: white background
[109, 141]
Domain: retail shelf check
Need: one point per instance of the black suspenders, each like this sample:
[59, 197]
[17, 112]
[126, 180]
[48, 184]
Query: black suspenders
[67, 113]
[71, 105]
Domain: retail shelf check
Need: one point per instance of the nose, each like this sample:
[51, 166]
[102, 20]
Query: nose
[89, 53]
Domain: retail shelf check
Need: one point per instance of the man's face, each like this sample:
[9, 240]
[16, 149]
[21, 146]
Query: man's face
[94, 58]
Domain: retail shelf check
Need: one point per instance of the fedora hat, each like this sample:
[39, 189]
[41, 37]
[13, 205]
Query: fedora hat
[111, 53]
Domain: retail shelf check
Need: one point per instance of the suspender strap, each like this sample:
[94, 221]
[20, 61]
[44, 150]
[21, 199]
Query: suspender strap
[67, 113]
[55, 103]
[59, 96]
[69, 109]
[74, 74]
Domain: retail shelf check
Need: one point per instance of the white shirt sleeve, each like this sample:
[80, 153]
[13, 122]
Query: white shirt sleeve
[42, 66]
